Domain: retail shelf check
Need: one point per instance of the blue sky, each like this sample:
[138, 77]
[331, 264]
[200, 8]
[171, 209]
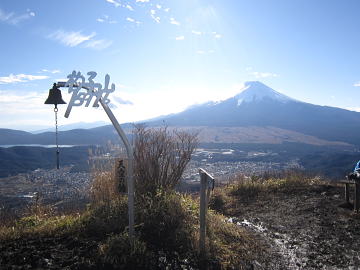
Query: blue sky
[166, 55]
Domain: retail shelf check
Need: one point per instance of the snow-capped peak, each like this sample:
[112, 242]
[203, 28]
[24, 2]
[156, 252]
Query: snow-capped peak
[256, 91]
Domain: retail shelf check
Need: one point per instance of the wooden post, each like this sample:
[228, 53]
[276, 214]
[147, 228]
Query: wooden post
[357, 195]
[205, 193]
[120, 169]
[347, 193]
[203, 188]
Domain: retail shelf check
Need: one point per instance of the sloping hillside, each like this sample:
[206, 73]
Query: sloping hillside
[304, 222]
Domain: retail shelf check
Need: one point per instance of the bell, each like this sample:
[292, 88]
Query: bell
[55, 96]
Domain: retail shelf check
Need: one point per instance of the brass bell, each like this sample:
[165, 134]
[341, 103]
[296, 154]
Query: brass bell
[55, 96]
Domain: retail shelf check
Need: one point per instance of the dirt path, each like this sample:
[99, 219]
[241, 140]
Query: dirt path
[303, 230]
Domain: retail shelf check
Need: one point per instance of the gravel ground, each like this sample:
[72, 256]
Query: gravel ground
[308, 228]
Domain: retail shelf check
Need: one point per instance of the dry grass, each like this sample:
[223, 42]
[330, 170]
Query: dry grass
[39, 226]
[168, 237]
[105, 182]
[287, 181]
[167, 227]
[228, 245]
[219, 200]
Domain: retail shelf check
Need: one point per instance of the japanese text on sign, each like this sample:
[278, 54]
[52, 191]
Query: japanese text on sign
[84, 92]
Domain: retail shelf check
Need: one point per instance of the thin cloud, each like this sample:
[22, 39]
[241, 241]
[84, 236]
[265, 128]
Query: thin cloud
[98, 44]
[260, 75]
[180, 38]
[355, 109]
[21, 78]
[132, 20]
[216, 35]
[115, 3]
[70, 39]
[5, 16]
[153, 16]
[106, 19]
[73, 39]
[122, 101]
[14, 19]
[129, 7]
[357, 84]
[196, 32]
[15, 107]
[142, 1]
[173, 21]
[51, 71]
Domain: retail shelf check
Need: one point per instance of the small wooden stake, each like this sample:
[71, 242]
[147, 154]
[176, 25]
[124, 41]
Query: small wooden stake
[347, 193]
[203, 187]
[357, 196]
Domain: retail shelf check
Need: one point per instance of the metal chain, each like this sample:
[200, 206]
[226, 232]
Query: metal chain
[56, 137]
[56, 128]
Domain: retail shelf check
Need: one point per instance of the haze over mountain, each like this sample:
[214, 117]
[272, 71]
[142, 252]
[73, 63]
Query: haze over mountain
[79, 125]
[93, 136]
[258, 114]
[257, 105]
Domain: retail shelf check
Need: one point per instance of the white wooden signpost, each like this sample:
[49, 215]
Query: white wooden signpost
[83, 93]
[207, 183]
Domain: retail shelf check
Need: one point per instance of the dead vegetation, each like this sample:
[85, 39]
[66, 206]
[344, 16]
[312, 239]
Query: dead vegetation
[161, 157]
[167, 223]
[287, 220]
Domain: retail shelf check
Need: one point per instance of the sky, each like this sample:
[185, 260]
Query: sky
[164, 56]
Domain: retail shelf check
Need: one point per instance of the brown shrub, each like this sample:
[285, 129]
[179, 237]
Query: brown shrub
[161, 157]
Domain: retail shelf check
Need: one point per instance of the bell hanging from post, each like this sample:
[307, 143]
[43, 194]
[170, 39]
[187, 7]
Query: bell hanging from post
[55, 96]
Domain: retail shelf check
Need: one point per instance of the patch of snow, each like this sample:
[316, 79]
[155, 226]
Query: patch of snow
[282, 241]
[257, 91]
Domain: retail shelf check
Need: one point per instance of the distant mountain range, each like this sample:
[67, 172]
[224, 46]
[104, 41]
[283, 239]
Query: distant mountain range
[258, 114]
[94, 136]
[79, 125]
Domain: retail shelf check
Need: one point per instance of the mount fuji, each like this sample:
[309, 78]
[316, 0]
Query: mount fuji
[258, 114]
[264, 110]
